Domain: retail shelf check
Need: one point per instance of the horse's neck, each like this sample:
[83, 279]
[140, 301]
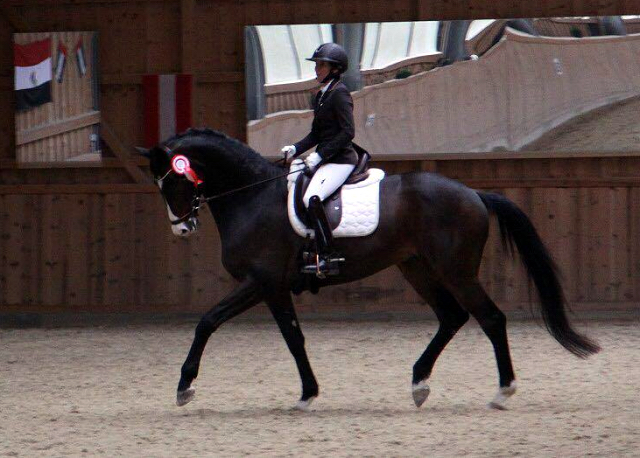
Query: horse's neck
[243, 179]
[234, 212]
[246, 168]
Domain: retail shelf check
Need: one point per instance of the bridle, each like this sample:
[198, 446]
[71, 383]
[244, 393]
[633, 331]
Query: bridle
[180, 165]
[195, 206]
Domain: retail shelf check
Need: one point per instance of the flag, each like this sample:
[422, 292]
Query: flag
[82, 65]
[61, 61]
[32, 73]
[167, 106]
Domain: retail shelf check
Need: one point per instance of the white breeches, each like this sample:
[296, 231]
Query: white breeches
[326, 180]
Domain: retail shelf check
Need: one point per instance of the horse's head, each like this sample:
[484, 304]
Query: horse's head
[178, 167]
[174, 173]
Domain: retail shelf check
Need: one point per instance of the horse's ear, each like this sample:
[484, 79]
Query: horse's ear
[143, 151]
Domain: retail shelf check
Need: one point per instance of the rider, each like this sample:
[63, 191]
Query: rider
[335, 158]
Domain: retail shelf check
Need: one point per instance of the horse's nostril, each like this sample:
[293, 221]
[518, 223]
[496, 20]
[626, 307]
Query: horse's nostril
[184, 231]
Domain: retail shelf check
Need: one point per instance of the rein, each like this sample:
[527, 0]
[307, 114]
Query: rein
[198, 200]
[257, 183]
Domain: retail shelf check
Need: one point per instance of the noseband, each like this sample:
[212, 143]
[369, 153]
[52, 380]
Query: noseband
[195, 206]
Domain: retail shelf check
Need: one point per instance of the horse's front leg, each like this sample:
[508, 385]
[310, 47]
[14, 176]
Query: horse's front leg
[281, 307]
[242, 298]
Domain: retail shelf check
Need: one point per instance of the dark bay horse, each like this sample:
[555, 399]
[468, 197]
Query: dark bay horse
[433, 228]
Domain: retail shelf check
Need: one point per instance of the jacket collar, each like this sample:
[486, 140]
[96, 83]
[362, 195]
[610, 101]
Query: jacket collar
[325, 90]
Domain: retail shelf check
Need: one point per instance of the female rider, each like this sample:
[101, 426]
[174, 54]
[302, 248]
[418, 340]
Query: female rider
[335, 158]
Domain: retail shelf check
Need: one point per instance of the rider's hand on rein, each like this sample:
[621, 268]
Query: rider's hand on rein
[313, 160]
[288, 150]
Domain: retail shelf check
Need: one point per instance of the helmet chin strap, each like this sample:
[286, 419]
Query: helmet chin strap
[330, 76]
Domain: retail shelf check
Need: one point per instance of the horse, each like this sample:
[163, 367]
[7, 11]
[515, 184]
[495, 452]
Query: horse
[433, 228]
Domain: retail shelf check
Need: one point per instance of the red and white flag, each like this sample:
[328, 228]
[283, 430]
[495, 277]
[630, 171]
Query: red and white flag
[32, 73]
[82, 64]
[167, 106]
[61, 61]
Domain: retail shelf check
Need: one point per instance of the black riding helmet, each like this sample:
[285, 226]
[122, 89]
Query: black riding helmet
[332, 53]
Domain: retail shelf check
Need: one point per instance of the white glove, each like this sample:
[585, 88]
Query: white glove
[313, 160]
[288, 151]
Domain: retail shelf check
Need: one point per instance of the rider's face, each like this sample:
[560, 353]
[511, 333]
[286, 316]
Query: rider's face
[322, 70]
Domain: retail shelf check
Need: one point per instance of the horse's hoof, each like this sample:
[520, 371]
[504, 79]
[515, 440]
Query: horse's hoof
[420, 392]
[496, 406]
[186, 396]
[504, 393]
[303, 405]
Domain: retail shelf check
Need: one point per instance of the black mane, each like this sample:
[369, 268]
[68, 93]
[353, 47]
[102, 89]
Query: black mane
[224, 150]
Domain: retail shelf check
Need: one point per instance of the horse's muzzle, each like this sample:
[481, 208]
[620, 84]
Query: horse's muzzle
[186, 228]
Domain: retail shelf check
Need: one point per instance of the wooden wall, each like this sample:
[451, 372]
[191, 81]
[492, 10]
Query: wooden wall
[80, 238]
[114, 251]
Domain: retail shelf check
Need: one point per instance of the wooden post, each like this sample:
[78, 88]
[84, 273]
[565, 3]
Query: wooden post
[119, 150]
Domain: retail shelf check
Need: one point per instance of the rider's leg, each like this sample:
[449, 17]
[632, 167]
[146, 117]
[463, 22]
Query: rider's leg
[325, 181]
[321, 227]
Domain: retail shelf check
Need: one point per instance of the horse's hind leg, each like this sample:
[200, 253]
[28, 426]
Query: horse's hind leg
[450, 315]
[472, 296]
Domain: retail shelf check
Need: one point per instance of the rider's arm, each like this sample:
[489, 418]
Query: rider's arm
[343, 112]
[307, 142]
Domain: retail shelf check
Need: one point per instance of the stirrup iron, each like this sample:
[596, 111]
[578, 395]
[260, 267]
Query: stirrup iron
[323, 266]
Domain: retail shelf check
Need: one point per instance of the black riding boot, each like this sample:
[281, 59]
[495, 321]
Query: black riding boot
[327, 260]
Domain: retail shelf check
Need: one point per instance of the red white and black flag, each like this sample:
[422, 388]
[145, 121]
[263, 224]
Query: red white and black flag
[167, 106]
[61, 61]
[82, 64]
[32, 73]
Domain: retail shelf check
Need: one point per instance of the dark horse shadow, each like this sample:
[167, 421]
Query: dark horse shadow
[433, 228]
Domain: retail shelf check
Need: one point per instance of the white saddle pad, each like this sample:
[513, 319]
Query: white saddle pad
[360, 208]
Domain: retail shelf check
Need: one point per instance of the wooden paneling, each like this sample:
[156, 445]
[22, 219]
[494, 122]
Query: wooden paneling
[74, 123]
[561, 28]
[89, 239]
[116, 252]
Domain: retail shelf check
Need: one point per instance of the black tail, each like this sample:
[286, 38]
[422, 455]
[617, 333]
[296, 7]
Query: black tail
[516, 227]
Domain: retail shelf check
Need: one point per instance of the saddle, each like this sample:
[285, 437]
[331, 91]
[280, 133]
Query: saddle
[352, 211]
[333, 203]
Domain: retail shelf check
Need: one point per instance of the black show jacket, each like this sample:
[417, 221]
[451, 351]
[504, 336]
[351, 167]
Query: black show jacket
[332, 129]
